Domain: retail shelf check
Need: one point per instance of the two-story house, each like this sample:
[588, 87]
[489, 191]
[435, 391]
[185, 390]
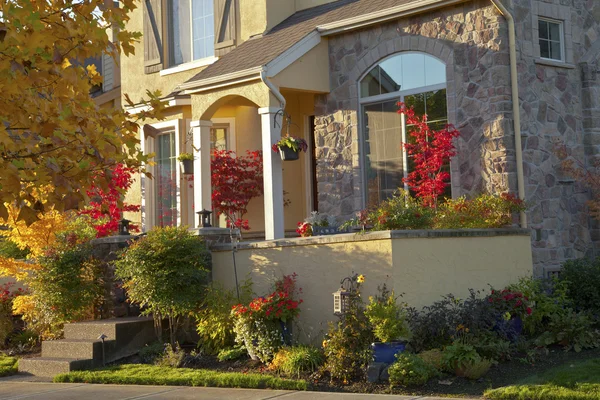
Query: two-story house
[513, 77]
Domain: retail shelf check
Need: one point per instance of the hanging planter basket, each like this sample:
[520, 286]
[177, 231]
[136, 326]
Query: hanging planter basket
[288, 154]
[188, 167]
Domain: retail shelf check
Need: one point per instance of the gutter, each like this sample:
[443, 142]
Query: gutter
[272, 88]
[515, 103]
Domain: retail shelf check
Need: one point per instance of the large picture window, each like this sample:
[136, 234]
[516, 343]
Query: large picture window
[191, 28]
[417, 79]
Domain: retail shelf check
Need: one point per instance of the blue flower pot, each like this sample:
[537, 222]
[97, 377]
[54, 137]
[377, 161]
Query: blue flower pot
[386, 352]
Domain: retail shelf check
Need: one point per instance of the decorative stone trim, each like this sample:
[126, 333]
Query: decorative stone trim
[379, 235]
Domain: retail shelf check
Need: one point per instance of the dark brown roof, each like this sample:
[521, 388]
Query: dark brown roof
[261, 50]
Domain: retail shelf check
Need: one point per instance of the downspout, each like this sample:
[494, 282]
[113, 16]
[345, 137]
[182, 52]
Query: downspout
[272, 88]
[515, 102]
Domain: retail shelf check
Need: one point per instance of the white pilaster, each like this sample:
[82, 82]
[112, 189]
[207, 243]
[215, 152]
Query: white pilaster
[272, 175]
[202, 180]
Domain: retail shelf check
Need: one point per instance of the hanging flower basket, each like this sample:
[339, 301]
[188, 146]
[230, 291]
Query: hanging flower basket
[288, 154]
[187, 163]
[289, 147]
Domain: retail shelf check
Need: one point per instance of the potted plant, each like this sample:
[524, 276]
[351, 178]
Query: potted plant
[187, 163]
[390, 326]
[289, 147]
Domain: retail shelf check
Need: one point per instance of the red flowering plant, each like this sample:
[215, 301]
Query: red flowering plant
[430, 151]
[106, 206]
[236, 181]
[261, 325]
[510, 303]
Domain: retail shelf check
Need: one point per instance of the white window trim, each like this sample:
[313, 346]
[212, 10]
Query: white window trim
[231, 140]
[561, 34]
[203, 62]
[148, 200]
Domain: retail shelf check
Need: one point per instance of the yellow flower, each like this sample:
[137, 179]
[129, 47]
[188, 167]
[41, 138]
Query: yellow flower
[324, 343]
[360, 278]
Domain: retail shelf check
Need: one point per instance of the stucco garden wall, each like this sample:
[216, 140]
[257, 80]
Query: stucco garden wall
[423, 265]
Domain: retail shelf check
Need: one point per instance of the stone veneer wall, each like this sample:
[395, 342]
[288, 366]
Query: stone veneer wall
[472, 39]
[559, 104]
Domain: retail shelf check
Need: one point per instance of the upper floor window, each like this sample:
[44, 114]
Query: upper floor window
[551, 39]
[191, 26]
[417, 79]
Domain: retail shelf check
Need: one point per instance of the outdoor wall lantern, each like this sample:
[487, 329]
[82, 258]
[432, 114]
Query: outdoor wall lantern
[341, 298]
[124, 227]
[204, 216]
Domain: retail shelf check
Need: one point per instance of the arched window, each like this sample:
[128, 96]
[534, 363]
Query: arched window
[417, 79]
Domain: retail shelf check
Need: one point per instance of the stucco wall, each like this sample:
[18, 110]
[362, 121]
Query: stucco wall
[423, 265]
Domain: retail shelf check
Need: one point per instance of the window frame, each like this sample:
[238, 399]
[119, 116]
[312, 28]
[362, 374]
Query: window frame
[171, 67]
[399, 95]
[561, 34]
[148, 144]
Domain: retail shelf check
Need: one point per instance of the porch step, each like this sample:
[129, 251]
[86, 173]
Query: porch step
[76, 348]
[82, 349]
[49, 367]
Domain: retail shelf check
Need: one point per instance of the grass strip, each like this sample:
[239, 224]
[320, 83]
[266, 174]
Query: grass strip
[140, 374]
[577, 381]
[8, 365]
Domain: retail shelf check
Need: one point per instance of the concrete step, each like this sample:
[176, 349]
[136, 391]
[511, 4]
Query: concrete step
[112, 328]
[77, 348]
[43, 366]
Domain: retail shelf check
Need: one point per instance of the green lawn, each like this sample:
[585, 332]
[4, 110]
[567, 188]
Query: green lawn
[8, 365]
[139, 374]
[572, 381]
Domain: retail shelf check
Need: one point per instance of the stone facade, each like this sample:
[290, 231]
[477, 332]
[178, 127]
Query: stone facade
[558, 102]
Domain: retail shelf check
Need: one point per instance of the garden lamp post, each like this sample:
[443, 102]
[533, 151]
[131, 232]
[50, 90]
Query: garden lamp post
[204, 216]
[124, 227]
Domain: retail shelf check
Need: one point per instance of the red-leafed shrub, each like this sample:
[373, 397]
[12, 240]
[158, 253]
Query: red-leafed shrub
[235, 181]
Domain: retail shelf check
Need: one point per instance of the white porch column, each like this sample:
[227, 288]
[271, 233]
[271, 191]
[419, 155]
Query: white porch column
[202, 180]
[272, 175]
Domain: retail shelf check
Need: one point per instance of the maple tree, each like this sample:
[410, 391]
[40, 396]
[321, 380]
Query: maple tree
[430, 151]
[106, 207]
[51, 131]
[235, 181]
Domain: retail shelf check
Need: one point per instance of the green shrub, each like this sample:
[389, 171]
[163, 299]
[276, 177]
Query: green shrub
[410, 370]
[401, 211]
[476, 369]
[582, 278]
[9, 249]
[171, 357]
[458, 356]
[151, 352]
[166, 273]
[214, 320]
[433, 358]
[387, 316]
[484, 211]
[493, 348]
[549, 299]
[294, 360]
[347, 344]
[8, 365]
[232, 353]
[66, 288]
[571, 330]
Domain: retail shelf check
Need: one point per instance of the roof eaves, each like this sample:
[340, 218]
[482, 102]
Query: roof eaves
[221, 80]
[415, 7]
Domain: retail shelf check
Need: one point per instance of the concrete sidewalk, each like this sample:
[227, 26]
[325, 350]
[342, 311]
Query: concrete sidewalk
[12, 390]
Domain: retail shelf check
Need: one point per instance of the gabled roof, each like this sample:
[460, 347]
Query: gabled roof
[259, 51]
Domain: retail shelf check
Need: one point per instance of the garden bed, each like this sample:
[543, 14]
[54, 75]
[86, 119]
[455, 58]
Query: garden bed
[245, 373]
